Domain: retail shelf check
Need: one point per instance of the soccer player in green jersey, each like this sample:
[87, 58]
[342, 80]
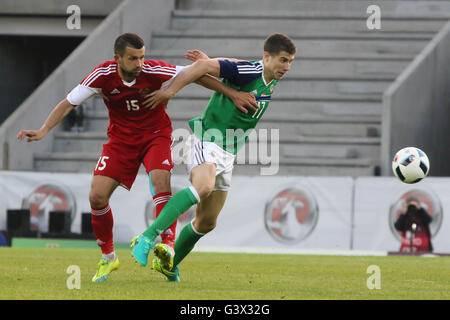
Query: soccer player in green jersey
[210, 152]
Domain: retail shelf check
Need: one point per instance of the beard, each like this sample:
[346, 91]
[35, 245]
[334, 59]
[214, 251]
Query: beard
[130, 74]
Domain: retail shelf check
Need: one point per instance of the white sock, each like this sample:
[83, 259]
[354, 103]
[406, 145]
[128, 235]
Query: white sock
[195, 193]
[110, 256]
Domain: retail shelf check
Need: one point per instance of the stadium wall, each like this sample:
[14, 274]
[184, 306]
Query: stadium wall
[416, 107]
[277, 213]
[138, 16]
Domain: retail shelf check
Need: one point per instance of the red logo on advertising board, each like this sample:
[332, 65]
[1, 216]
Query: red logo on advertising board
[291, 215]
[46, 198]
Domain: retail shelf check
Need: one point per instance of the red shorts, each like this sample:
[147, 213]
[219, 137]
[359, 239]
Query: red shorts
[121, 159]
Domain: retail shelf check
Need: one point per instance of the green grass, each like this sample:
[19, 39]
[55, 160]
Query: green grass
[41, 274]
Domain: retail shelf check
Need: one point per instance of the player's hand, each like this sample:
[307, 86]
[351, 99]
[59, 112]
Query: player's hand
[33, 135]
[152, 100]
[195, 55]
[244, 101]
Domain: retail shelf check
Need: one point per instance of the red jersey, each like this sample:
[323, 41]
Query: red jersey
[123, 99]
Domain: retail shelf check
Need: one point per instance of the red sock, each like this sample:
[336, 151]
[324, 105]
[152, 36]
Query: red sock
[160, 200]
[102, 224]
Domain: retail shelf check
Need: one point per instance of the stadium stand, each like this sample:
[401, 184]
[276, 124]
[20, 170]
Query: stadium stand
[328, 108]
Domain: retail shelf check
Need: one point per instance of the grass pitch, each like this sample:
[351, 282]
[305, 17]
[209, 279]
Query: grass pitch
[42, 274]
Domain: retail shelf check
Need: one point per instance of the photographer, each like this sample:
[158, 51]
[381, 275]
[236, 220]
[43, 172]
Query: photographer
[413, 225]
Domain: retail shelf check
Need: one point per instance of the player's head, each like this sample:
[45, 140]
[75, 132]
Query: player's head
[279, 52]
[129, 53]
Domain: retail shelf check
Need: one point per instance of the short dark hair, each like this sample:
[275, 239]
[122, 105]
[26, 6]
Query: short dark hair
[127, 40]
[277, 42]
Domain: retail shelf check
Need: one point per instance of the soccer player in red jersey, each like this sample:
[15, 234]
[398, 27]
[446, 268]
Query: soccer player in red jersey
[137, 134]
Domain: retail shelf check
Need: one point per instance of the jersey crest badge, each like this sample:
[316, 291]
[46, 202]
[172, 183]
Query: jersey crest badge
[144, 91]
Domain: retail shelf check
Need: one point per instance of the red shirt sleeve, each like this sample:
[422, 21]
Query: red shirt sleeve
[96, 78]
[159, 72]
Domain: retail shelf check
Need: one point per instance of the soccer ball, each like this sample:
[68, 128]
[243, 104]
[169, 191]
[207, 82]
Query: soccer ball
[410, 165]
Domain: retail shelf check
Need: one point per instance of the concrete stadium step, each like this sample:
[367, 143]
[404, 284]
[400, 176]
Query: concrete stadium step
[336, 86]
[97, 103]
[333, 74]
[345, 6]
[273, 114]
[311, 86]
[291, 96]
[86, 162]
[79, 141]
[308, 46]
[297, 129]
[300, 34]
[291, 129]
[97, 120]
[66, 161]
[368, 73]
[313, 147]
[306, 166]
[311, 14]
[326, 67]
[291, 22]
[175, 53]
[299, 97]
[332, 147]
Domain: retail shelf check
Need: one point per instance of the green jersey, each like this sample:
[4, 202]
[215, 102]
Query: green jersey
[223, 123]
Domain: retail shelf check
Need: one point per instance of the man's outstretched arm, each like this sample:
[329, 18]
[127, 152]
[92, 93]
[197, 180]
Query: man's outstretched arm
[193, 73]
[206, 81]
[75, 98]
[186, 76]
[61, 110]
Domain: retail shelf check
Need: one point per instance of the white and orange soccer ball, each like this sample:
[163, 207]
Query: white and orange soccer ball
[410, 165]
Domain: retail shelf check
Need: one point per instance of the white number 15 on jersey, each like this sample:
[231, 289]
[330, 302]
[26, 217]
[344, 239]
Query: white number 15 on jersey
[132, 105]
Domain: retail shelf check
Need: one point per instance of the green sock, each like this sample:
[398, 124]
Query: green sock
[185, 242]
[177, 205]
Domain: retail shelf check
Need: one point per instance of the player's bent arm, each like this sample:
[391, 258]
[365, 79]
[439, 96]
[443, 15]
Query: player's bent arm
[186, 76]
[58, 113]
[193, 72]
[240, 99]
[61, 110]
[212, 83]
